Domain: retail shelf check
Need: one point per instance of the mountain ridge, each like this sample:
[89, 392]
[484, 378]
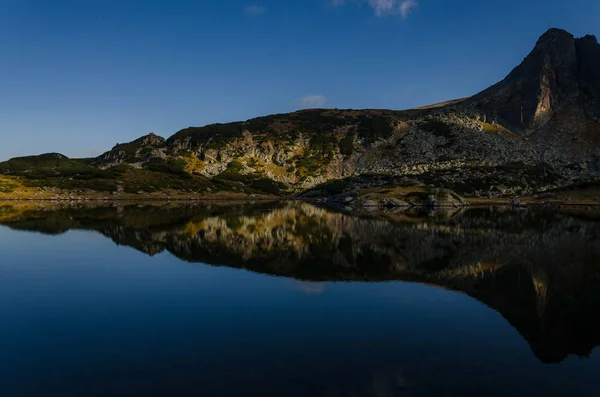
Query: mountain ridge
[545, 114]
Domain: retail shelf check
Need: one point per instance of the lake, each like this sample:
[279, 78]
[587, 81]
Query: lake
[289, 299]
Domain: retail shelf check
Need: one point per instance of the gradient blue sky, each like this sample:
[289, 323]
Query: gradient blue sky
[76, 77]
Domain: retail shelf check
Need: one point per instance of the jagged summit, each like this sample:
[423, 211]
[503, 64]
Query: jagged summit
[590, 38]
[553, 34]
[559, 70]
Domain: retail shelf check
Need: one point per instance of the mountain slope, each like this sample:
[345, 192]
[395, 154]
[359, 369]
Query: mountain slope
[529, 96]
[552, 97]
[536, 130]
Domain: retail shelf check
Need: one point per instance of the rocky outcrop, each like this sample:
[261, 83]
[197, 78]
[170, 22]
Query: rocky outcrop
[134, 153]
[559, 70]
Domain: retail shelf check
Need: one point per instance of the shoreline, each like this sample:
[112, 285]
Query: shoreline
[473, 203]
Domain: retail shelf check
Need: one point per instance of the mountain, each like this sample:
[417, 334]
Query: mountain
[559, 74]
[535, 131]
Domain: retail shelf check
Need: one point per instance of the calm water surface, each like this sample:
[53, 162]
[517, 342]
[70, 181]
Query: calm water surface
[293, 300]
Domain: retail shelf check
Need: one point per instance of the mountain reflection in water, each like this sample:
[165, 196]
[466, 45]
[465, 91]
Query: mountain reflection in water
[539, 269]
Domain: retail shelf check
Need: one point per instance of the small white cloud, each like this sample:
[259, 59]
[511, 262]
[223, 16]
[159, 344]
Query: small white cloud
[406, 7]
[384, 8]
[312, 101]
[393, 7]
[255, 10]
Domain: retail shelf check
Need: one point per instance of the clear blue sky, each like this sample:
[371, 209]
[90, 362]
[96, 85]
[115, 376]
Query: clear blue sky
[78, 76]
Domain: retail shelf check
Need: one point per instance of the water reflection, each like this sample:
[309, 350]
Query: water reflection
[539, 269]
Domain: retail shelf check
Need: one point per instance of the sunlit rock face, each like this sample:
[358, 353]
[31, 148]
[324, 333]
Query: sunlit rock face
[560, 71]
[540, 270]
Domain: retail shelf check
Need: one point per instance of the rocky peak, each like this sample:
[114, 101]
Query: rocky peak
[559, 70]
[588, 59]
[554, 36]
[139, 150]
[151, 140]
[589, 38]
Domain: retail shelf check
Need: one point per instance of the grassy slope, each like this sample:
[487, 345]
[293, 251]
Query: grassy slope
[179, 175]
[54, 175]
[285, 127]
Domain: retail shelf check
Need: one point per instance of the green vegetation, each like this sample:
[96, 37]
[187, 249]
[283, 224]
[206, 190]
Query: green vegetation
[311, 122]
[170, 166]
[321, 126]
[149, 181]
[318, 124]
[318, 136]
[494, 128]
[95, 184]
[7, 187]
[468, 180]
[54, 170]
[233, 172]
[268, 186]
[141, 147]
[57, 171]
[254, 181]
[121, 168]
[317, 157]
[372, 127]
[210, 136]
[146, 141]
[78, 175]
[54, 165]
[129, 148]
